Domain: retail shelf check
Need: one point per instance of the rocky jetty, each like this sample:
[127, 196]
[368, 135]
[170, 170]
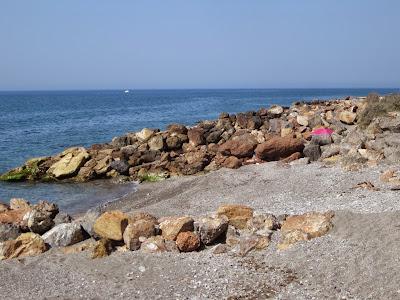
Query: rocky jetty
[354, 132]
[29, 230]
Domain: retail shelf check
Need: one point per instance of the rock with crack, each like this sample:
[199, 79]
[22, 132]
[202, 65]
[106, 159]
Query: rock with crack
[304, 227]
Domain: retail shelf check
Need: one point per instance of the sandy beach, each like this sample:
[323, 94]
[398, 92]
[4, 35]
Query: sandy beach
[358, 259]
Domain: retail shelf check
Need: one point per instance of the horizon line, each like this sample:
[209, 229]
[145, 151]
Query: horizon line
[191, 89]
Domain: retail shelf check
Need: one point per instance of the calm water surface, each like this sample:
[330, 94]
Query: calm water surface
[44, 123]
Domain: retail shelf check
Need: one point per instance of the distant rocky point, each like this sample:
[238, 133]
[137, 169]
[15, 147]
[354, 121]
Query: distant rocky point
[354, 132]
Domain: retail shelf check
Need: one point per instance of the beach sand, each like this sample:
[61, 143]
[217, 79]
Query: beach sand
[358, 259]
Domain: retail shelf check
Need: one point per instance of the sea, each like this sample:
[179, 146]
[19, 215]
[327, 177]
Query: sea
[40, 123]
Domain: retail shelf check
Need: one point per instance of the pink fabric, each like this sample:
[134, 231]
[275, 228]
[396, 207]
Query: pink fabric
[322, 131]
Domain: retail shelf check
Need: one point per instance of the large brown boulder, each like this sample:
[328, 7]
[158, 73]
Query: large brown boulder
[237, 214]
[141, 228]
[304, 227]
[27, 244]
[172, 226]
[240, 147]
[278, 148]
[111, 225]
[196, 136]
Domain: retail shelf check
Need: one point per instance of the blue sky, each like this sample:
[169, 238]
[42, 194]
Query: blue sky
[96, 44]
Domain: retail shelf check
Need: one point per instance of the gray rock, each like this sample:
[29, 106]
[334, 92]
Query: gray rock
[210, 229]
[87, 221]
[39, 221]
[121, 166]
[62, 218]
[329, 151]
[64, 235]
[8, 232]
[312, 151]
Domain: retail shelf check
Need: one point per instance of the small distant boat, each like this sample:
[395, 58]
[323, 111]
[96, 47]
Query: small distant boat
[126, 91]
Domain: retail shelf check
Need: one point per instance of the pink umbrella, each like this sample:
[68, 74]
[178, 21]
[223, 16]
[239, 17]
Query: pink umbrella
[322, 131]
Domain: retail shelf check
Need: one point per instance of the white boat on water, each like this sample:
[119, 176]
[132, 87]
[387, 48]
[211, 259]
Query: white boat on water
[126, 91]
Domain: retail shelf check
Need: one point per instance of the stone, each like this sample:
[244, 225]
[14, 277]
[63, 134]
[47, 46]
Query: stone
[27, 244]
[220, 249]
[293, 157]
[103, 165]
[347, 117]
[64, 235]
[3, 207]
[62, 218]
[145, 134]
[263, 222]
[172, 226]
[177, 128]
[69, 164]
[39, 221]
[111, 225]
[19, 203]
[237, 214]
[154, 244]
[277, 148]
[211, 229]
[8, 232]
[302, 120]
[14, 216]
[121, 166]
[286, 131]
[132, 233]
[50, 209]
[79, 247]
[214, 136]
[312, 151]
[196, 136]
[275, 111]
[232, 162]
[188, 241]
[304, 227]
[88, 220]
[142, 216]
[247, 244]
[119, 141]
[156, 143]
[232, 237]
[321, 139]
[241, 147]
[174, 142]
[102, 248]
[371, 155]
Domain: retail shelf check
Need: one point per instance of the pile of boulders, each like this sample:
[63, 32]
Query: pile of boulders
[27, 230]
[324, 131]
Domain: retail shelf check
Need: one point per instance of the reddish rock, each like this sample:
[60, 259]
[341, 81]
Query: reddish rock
[196, 136]
[237, 214]
[15, 216]
[240, 147]
[293, 157]
[188, 241]
[177, 128]
[279, 147]
[232, 162]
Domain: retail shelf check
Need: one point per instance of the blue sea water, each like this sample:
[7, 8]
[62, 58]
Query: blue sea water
[45, 122]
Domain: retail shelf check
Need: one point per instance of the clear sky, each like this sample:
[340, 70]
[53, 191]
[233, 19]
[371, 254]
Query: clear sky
[96, 44]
